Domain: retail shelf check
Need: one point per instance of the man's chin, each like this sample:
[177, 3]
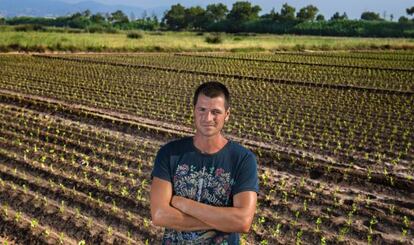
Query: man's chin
[208, 133]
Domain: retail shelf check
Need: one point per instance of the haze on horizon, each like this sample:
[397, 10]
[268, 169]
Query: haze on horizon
[353, 8]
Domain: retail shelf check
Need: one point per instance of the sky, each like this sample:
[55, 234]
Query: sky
[353, 8]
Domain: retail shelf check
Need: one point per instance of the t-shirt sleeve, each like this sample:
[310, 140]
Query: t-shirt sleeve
[246, 178]
[162, 165]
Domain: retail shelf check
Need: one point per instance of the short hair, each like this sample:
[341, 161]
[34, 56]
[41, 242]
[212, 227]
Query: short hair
[213, 89]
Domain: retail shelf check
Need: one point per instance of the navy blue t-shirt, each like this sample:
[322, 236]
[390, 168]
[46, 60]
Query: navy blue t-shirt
[207, 178]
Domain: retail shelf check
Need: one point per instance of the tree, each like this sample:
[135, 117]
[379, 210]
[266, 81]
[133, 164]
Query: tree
[410, 11]
[175, 17]
[98, 18]
[78, 20]
[370, 16]
[320, 17]
[403, 19]
[118, 17]
[243, 11]
[287, 12]
[87, 13]
[216, 12]
[195, 17]
[307, 13]
[338, 16]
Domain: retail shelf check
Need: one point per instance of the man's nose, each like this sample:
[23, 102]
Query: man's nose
[209, 116]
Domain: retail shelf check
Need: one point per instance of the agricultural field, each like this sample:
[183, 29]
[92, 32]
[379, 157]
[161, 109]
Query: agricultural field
[37, 41]
[333, 133]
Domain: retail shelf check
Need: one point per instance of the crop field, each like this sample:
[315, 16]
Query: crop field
[333, 133]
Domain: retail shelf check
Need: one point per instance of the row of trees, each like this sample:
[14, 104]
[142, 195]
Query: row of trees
[179, 17]
[242, 17]
[98, 22]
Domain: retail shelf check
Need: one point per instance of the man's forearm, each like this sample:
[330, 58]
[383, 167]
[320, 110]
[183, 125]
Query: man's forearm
[172, 218]
[226, 219]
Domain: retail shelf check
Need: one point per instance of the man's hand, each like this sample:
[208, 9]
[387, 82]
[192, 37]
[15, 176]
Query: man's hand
[178, 202]
[227, 219]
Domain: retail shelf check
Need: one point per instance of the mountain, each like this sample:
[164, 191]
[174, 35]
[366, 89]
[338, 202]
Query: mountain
[53, 8]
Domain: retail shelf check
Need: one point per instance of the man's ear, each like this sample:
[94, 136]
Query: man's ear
[228, 114]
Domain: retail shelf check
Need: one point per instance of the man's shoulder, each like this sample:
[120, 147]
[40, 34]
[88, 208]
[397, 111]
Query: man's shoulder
[241, 150]
[175, 145]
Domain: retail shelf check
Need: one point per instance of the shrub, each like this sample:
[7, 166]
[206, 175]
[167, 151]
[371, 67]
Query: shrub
[214, 38]
[135, 35]
[29, 27]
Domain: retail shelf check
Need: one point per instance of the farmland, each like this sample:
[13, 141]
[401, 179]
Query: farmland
[333, 135]
[35, 41]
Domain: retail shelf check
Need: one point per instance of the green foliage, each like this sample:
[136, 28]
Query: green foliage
[118, 18]
[338, 16]
[243, 17]
[320, 17]
[216, 12]
[214, 38]
[410, 11]
[370, 16]
[355, 28]
[403, 20]
[175, 17]
[307, 13]
[243, 11]
[148, 24]
[29, 27]
[287, 12]
[195, 17]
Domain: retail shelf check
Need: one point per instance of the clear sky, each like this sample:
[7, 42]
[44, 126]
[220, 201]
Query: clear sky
[353, 8]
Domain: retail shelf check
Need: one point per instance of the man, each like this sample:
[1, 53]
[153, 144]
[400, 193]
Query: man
[204, 188]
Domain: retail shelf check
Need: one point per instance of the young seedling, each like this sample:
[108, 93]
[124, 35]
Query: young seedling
[299, 237]
[34, 223]
[318, 223]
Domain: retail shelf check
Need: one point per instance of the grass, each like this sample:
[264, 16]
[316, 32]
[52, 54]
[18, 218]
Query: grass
[186, 41]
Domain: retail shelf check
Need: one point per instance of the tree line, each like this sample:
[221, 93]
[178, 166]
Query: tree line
[242, 17]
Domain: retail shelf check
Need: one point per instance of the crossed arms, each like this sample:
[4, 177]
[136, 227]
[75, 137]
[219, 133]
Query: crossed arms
[184, 214]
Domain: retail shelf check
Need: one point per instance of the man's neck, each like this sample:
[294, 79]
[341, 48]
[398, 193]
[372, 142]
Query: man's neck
[209, 145]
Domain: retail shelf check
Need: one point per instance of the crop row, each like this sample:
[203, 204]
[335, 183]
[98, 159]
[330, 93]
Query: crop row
[80, 164]
[75, 174]
[324, 59]
[224, 65]
[345, 124]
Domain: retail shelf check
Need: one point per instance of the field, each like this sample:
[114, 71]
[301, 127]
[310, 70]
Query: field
[185, 41]
[333, 133]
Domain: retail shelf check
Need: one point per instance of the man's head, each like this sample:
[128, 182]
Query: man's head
[211, 108]
[213, 89]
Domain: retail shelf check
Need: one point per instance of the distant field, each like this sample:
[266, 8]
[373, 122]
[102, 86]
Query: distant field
[186, 41]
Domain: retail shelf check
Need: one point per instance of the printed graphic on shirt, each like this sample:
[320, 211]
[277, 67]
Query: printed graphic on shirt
[211, 186]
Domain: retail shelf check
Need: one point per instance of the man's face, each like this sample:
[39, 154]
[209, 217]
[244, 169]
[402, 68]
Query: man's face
[210, 115]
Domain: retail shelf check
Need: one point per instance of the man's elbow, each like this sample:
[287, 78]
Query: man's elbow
[158, 217]
[244, 225]
[245, 228]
